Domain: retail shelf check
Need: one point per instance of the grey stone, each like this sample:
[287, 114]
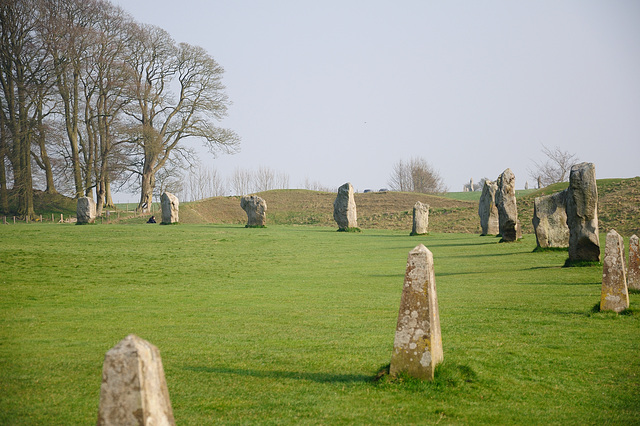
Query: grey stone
[582, 213]
[614, 296]
[508, 224]
[344, 208]
[86, 210]
[170, 208]
[420, 219]
[633, 274]
[134, 390]
[550, 220]
[256, 209]
[487, 209]
[417, 347]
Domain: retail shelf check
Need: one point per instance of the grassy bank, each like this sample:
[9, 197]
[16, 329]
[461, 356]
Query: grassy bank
[290, 324]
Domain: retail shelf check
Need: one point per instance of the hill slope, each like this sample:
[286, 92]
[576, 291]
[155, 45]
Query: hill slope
[618, 208]
[387, 210]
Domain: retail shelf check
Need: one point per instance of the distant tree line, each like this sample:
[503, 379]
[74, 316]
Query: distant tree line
[91, 98]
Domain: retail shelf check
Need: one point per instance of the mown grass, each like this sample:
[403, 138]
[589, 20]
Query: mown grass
[291, 324]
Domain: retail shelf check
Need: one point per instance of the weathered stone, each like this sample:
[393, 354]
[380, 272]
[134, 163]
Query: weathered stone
[86, 210]
[420, 219]
[487, 209]
[344, 208]
[614, 296]
[256, 209]
[550, 220]
[134, 390]
[170, 208]
[633, 274]
[508, 224]
[417, 347]
[582, 213]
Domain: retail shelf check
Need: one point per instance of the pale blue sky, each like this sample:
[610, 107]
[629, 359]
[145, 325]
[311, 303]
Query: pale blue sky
[338, 91]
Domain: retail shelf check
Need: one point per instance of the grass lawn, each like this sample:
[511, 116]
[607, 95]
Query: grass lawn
[290, 324]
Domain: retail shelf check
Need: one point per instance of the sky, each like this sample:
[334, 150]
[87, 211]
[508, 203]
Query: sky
[339, 91]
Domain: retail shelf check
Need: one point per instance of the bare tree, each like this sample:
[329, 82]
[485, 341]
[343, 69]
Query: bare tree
[23, 86]
[316, 186]
[157, 63]
[416, 175]
[555, 169]
[241, 182]
[400, 179]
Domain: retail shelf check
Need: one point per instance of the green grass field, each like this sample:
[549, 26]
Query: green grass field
[290, 324]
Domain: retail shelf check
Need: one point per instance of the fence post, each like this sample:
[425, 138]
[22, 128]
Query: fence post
[40, 218]
[4, 220]
[51, 217]
[14, 220]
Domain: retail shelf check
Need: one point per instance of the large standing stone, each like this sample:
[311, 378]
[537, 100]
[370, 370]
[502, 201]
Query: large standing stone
[420, 219]
[417, 347]
[550, 220]
[487, 209]
[614, 296]
[170, 208]
[582, 213]
[633, 274]
[256, 209]
[508, 224]
[344, 208]
[134, 390]
[86, 210]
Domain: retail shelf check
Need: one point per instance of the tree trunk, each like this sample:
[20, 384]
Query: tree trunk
[146, 193]
[4, 192]
[44, 157]
[108, 199]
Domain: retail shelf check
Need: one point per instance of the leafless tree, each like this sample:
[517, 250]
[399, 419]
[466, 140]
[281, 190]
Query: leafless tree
[241, 182]
[416, 175]
[555, 169]
[316, 186]
[23, 84]
[162, 122]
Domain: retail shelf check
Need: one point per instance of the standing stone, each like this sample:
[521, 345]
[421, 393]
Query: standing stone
[508, 224]
[526, 185]
[256, 209]
[487, 209]
[344, 208]
[615, 296]
[417, 347]
[170, 208]
[582, 213]
[633, 274]
[86, 210]
[134, 390]
[550, 220]
[420, 219]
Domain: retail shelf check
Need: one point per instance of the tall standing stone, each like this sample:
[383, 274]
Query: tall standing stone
[134, 390]
[170, 208]
[487, 209]
[344, 208]
[633, 274]
[256, 209]
[86, 210]
[417, 347]
[550, 220]
[420, 219]
[614, 296]
[582, 213]
[508, 224]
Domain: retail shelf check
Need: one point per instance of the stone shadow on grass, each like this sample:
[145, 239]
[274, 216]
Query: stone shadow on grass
[297, 375]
